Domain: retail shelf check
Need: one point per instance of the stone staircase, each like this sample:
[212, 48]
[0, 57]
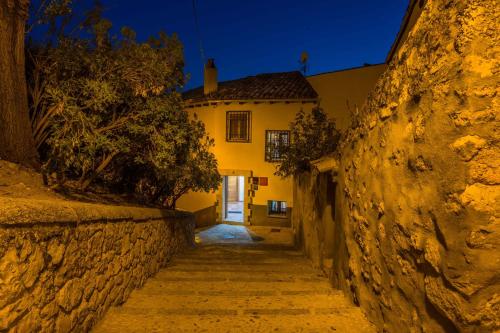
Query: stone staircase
[237, 288]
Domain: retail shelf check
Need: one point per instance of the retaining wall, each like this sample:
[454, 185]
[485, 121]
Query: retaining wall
[63, 264]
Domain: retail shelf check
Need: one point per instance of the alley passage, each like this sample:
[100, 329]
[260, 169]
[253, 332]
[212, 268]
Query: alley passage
[236, 281]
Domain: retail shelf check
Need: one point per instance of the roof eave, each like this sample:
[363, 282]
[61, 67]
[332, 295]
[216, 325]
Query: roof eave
[191, 103]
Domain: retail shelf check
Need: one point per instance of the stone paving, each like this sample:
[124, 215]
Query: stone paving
[257, 283]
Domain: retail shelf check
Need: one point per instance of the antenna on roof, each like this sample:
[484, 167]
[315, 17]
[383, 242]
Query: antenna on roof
[197, 26]
[304, 57]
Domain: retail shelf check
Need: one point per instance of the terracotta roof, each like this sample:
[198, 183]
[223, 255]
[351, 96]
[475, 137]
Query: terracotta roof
[272, 86]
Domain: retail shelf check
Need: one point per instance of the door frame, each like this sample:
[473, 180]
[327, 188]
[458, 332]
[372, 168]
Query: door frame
[247, 198]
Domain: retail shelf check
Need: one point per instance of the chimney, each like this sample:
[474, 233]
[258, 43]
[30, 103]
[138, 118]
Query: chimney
[210, 85]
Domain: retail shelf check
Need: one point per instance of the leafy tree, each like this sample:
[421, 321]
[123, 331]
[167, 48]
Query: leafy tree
[193, 167]
[313, 136]
[108, 108]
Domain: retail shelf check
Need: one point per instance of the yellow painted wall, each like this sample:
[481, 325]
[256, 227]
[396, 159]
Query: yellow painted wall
[340, 88]
[246, 156]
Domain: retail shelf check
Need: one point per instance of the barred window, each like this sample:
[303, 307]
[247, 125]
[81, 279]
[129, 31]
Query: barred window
[238, 126]
[276, 142]
[276, 208]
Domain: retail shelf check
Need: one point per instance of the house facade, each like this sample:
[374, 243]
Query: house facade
[249, 120]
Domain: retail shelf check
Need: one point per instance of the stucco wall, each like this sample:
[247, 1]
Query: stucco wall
[416, 229]
[62, 264]
[342, 91]
[248, 157]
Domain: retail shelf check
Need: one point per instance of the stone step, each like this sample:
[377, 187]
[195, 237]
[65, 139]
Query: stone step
[248, 260]
[256, 268]
[158, 285]
[254, 250]
[241, 265]
[348, 321]
[313, 303]
[240, 256]
[169, 274]
[248, 311]
[237, 293]
[239, 260]
[233, 272]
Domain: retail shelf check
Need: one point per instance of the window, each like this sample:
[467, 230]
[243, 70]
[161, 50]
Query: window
[276, 141]
[276, 208]
[238, 126]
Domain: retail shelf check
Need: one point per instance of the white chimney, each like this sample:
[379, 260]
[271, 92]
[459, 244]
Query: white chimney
[210, 84]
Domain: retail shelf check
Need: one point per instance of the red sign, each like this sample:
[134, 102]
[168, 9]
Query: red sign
[263, 181]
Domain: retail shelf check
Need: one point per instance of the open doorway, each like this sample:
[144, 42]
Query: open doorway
[233, 198]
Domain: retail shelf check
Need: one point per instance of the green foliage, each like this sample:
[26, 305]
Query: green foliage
[313, 135]
[116, 113]
[188, 165]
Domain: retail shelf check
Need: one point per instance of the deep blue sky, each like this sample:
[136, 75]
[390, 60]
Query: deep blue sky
[248, 37]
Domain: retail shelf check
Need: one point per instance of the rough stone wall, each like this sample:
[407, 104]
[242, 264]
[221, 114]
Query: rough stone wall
[63, 276]
[418, 193]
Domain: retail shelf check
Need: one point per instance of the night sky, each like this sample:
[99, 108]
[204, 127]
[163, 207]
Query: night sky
[248, 37]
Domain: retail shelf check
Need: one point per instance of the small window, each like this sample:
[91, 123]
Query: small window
[276, 141]
[276, 208]
[238, 126]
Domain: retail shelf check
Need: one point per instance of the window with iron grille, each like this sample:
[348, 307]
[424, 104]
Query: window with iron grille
[276, 142]
[276, 208]
[238, 126]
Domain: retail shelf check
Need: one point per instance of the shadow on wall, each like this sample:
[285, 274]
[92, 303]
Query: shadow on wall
[314, 221]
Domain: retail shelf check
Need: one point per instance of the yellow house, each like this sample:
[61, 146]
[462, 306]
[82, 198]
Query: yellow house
[249, 119]
[341, 92]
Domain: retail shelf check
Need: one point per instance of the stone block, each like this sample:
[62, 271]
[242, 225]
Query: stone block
[56, 252]
[34, 266]
[70, 295]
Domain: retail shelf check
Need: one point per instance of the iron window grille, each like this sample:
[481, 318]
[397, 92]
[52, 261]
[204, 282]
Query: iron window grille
[276, 142]
[276, 208]
[238, 126]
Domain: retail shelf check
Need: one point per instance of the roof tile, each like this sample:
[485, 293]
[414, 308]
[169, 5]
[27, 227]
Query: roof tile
[287, 85]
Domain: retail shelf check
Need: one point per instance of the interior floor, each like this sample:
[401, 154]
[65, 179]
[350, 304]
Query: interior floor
[234, 211]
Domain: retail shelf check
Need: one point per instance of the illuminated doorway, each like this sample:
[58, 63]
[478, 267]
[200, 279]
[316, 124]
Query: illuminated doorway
[233, 198]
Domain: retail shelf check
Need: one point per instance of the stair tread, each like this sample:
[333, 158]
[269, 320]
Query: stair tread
[237, 289]
[238, 303]
[279, 322]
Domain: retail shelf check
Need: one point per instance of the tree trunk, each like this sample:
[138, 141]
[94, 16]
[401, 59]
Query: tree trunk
[16, 139]
[85, 182]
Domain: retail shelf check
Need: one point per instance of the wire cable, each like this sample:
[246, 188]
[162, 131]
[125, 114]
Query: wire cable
[197, 26]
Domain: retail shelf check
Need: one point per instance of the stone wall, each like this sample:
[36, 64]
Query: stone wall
[313, 218]
[416, 229]
[63, 264]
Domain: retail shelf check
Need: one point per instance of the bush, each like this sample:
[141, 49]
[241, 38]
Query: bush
[313, 136]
